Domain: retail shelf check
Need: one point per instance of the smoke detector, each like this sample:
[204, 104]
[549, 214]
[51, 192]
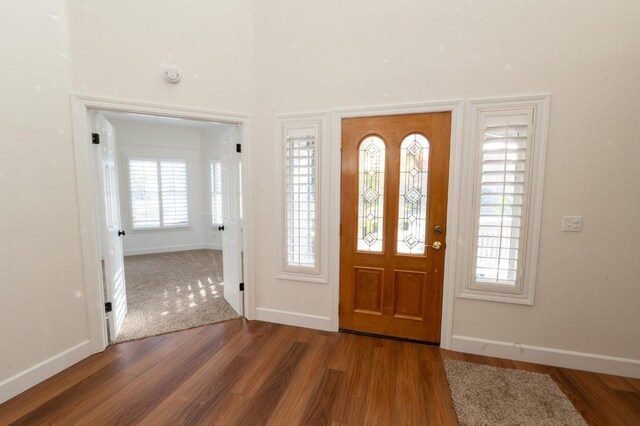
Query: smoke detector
[172, 74]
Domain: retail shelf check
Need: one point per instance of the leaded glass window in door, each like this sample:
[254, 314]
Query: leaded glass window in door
[371, 194]
[412, 203]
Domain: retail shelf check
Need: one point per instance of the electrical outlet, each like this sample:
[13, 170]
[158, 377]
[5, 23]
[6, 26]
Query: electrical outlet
[571, 223]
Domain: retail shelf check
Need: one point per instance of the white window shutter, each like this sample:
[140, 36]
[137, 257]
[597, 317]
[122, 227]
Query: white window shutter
[158, 190]
[301, 192]
[173, 178]
[502, 197]
[144, 191]
[216, 192]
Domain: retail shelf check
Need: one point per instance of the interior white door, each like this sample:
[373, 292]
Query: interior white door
[231, 233]
[112, 231]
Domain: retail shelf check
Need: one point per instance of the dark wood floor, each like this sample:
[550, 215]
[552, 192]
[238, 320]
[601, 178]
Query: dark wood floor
[241, 372]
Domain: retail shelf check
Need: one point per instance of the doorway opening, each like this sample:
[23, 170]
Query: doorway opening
[167, 194]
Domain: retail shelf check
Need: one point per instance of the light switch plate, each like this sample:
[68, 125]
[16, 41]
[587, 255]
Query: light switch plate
[571, 223]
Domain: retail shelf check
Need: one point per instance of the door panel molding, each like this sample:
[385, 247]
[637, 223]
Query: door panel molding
[81, 107]
[373, 280]
[456, 107]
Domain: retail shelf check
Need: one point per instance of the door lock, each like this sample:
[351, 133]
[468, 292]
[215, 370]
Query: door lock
[437, 245]
[437, 229]
[121, 233]
[221, 228]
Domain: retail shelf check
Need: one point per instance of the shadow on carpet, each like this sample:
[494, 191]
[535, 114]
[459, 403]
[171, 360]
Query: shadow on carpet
[485, 395]
[173, 291]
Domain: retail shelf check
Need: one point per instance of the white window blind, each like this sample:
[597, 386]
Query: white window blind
[173, 178]
[216, 193]
[158, 191]
[301, 192]
[145, 195]
[502, 197]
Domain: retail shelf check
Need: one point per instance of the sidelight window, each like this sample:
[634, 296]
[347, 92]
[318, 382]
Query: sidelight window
[508, 141]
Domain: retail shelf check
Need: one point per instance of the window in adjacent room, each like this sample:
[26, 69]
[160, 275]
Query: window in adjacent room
[158, 191]
[216, 193]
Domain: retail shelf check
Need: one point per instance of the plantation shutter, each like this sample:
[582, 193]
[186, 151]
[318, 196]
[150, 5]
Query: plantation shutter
[145, 196]
[502, 196]
[173, 181]
[216, 193]
[301, 192]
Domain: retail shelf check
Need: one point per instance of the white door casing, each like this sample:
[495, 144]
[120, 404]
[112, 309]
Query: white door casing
[111, 226]
[231, 235]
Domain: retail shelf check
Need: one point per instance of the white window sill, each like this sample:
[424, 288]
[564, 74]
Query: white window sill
[302, 277]
[496, 296]
[165, 228]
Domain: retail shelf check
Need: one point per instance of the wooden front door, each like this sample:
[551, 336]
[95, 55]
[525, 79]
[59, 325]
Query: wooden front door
[393, 210]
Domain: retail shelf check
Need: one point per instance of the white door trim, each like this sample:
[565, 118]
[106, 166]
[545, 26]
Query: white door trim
[80, 108]
[455, 179]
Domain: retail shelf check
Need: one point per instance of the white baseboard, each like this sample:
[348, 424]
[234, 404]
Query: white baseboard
[170, 249]
[548, 356]
[316, 322]
[32, 376]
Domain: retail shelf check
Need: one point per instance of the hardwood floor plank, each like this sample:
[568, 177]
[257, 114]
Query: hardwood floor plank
[173, 342]
[294, 401]
[340, 357]
[410, 395]
[350, 406]
[263, 358]
[242, 372]
[440, 410]
[263, 403]
[320, 406]
[231, 407]
[382, 384]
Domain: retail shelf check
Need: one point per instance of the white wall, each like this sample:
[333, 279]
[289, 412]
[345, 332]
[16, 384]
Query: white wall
[115, 49]
[315, 56]
[137, 139]
[41, 283]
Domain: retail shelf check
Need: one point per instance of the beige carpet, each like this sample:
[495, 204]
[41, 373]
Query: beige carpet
[173, 291]
[485, 395]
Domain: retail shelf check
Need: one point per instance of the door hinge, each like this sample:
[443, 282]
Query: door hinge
[95, 138]
[239, 147]
[108, 307]
[241, 286]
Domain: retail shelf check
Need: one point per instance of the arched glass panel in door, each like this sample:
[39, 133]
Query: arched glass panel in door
[412, 203]
[371, 166]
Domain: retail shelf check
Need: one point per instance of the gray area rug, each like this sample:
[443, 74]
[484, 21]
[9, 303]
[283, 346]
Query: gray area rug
[173, 291]
[485, 395]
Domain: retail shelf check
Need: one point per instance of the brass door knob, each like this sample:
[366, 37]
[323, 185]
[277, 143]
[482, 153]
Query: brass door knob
[437, 245]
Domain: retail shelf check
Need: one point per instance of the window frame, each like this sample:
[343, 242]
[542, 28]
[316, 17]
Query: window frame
[287, 125]
[524, 290]
[158, 160]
